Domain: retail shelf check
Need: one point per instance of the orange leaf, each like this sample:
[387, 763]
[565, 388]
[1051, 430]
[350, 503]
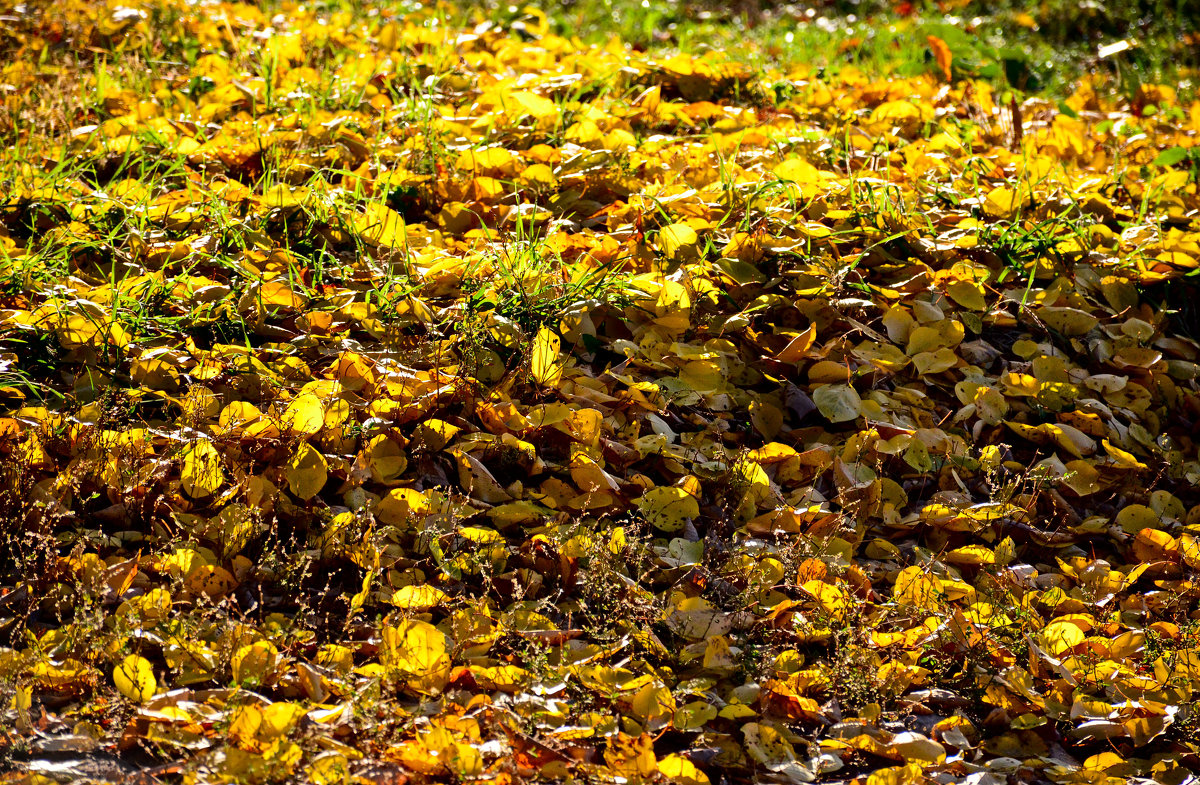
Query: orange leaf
[941, 53]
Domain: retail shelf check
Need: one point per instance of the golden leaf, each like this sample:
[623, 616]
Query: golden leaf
[134, 678]
[677, 240]
[545, 365]
[306, 472]
[416, 652]
[201, 475]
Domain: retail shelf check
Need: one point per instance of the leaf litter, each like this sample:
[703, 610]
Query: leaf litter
[387, 401]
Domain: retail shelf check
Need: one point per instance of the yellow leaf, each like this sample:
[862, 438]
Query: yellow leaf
[696, 714]
[134, 679]
[653, 701]
[401, 505]
[149, 608]
[590, 475]
[935, 362]
[507, 678]
[1126, 645]
[1135, 517]
[971, 554]
[418, 598]
[330, 768]
[539, 175]
[915, 747]
[837, 402]
[767, 418]
[210, 580]
[677, 240]
[155, 373]
[1068, 321]
[541, 109]
[254, 662]
[1061, 636]
[243, 417]
[915, 587]
[1152, 545]
[278, 718]
[1003, 202]
[668, 509]
[435, 434]
[380, 225]
[306, 472]
[910, 774]
[385, 459]
[1142, 730]
[1190, 547]
[493, 161]
[518, 512]
[768, 746]
[799, 171]
[22, 701]
[968, 294]
[1005, 551]
[798, 348]
[677, 768]
[931, 338]
[276, 295]
[416, 651]
[989, 403]
[702, 376]
[245, 723]
[284, 197]
[201, 475]
[234, 526]
[832, 599]
[1123, 459]
[305, 415]
[773, 452]
[902, 115]
[545, 365]
[695, 618]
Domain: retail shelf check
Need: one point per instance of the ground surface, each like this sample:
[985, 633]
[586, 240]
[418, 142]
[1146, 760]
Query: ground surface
[390, 398]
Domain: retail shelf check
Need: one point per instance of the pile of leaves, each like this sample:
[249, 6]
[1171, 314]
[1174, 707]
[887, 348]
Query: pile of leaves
[392, 400]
